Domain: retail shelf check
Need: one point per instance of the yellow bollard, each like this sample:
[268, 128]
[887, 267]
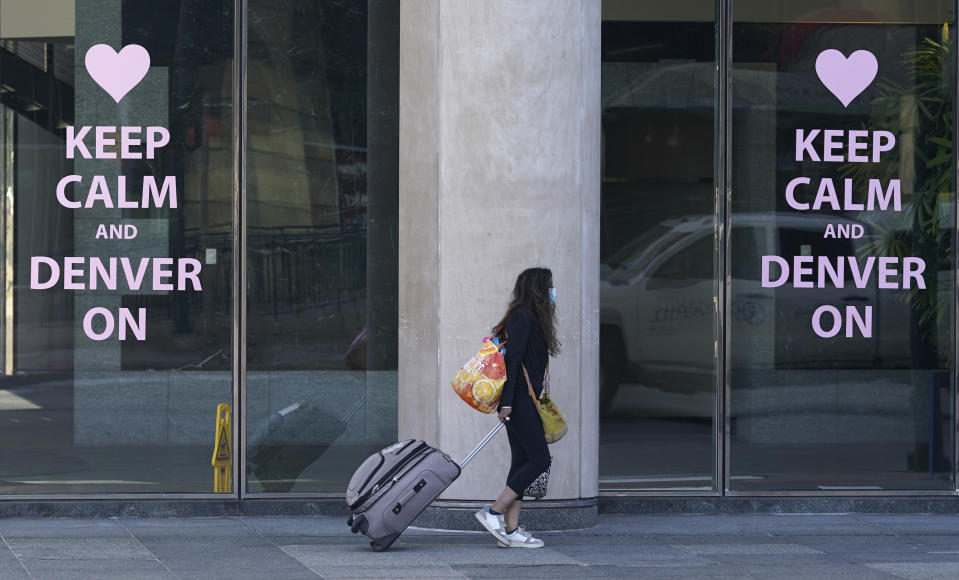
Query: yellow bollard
[223, 451]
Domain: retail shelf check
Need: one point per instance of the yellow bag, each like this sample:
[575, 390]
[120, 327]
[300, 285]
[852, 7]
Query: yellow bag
[480, 381]
[554, 426]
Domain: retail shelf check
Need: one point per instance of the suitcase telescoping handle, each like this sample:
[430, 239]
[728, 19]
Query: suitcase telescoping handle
[482, 444]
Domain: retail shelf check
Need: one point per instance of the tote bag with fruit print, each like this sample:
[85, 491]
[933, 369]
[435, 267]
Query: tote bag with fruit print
[480, 381]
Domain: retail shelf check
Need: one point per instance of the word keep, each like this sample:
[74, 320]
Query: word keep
[834, 141]
[107, 137]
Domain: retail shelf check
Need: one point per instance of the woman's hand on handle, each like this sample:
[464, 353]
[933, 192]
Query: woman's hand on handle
[504, 412]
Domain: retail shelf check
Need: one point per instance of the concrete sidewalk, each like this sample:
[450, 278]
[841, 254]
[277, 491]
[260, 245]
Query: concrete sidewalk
[845, 547]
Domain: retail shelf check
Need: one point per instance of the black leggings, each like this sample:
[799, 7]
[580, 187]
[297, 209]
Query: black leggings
[527, 443]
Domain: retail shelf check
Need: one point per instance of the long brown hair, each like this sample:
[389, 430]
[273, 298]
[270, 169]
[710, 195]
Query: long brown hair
[532, 293]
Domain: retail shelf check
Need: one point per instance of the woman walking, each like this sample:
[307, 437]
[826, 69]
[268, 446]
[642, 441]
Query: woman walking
[529, 327]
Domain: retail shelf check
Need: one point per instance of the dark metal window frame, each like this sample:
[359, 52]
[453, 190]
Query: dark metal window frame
[722, 191]
[723, 204]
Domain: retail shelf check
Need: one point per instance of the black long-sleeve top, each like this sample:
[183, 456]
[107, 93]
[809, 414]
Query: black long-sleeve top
[525, 346]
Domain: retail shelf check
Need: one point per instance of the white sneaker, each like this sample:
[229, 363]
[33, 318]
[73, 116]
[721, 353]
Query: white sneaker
[520, 538]
[495, 525]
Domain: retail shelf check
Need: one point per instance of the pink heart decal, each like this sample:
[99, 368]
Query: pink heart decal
[846, 77]
[117, 72]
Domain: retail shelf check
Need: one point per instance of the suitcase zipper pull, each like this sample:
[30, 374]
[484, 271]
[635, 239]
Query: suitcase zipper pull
[377, 486]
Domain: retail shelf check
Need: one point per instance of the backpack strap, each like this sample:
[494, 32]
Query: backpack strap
[532, 394]
[546, 378]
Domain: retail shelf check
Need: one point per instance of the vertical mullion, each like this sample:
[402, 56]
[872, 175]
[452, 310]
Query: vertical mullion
[724, 62]
[9, 241]
[7, 152]
[718, 236]
[955, 256]
[239, 247]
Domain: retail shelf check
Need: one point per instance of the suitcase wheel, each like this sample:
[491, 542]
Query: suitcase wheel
[357, 524]
[382, 544]
[349, 522]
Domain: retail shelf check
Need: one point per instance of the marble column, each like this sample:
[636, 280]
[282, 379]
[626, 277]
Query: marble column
[499, 171]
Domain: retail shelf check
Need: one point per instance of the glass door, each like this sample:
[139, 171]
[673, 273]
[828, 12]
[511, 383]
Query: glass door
[659, 250]
[321, 241]
[842, 212]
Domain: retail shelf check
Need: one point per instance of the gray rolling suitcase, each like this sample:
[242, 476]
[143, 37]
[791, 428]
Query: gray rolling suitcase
[394, 485]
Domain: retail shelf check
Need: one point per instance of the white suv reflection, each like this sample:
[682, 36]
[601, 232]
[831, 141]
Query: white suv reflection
[658, 306]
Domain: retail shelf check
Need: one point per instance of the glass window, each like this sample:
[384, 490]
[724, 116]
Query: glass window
[841, 351]
[322, 207]
[692, 263]
[116, 321]
[658, 247]
[749, 243]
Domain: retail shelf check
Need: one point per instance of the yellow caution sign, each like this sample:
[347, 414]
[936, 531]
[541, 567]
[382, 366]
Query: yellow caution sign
[223, 451]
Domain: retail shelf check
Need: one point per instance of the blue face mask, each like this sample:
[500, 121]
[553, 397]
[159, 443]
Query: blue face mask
[552, 295]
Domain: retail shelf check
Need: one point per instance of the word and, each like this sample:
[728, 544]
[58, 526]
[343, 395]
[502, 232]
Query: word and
[116, 232]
